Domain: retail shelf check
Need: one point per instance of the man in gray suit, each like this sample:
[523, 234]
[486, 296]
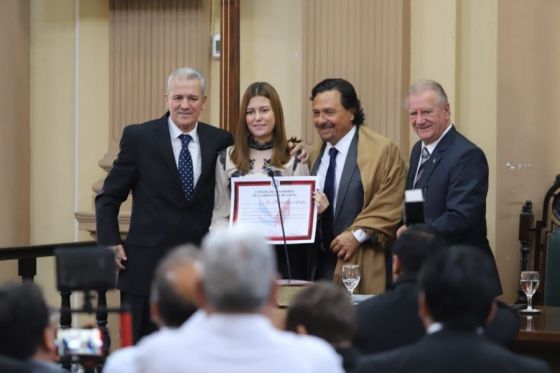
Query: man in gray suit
[363, 176]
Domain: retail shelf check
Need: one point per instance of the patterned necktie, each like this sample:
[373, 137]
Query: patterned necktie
[423, 158]
[186, 167]
[328, 189]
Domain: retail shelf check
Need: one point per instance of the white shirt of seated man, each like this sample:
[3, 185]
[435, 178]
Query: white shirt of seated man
[246, 343]
[238, 293]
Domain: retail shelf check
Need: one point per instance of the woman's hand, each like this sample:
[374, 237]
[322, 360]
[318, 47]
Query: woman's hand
[321, 201]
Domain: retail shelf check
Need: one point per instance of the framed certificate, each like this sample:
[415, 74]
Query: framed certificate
[254, 202]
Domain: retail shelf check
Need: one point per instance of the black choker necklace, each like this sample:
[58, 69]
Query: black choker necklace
[253, 144]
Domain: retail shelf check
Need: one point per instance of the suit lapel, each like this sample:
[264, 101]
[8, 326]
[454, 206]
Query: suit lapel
[437, 156]
[414, 156]
[348, 170]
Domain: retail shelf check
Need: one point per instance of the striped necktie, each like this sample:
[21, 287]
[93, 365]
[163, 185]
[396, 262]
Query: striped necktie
[423, 158]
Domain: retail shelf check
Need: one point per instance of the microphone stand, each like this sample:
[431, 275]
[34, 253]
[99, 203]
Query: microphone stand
[271, 174]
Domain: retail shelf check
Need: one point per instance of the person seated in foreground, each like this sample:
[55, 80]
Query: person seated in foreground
[237, 290]
[27, 333]
[391, 319]
[171, 299]
[323, 309]
[456, 299]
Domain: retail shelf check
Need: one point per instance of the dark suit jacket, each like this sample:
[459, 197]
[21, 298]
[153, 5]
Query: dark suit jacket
[161, 216]
[390, 320]
[455, 184]
[451, 351]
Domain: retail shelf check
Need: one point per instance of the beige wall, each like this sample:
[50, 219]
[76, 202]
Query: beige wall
[52, 129]
[271, 33]
[270, 42]
[69, 119]
[528, 93]
[14, 125]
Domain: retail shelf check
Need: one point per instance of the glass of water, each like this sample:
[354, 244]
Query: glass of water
[350, 276]
[529, 281]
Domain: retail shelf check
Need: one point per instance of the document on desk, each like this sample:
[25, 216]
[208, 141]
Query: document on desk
[254, 202]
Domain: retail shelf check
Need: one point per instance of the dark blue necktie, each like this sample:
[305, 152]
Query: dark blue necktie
[186, 167]
[328, 189]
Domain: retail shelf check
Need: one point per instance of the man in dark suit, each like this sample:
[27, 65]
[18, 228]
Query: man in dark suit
[390, 320]
[451, 171]
[169, 166]
[363, 176]
[456, 300]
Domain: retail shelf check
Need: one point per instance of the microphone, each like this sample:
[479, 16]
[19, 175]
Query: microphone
[270, 173]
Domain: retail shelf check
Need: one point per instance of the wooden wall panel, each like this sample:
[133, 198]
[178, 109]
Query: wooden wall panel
[149, 39]
[366, 42]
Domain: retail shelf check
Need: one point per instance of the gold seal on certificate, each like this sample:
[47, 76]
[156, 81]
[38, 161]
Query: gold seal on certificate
[255, 202]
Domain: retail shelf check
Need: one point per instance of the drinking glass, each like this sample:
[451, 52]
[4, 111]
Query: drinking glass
[529, 282]
[350, 276]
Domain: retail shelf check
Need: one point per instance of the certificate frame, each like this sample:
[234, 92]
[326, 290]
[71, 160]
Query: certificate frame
[254, 203]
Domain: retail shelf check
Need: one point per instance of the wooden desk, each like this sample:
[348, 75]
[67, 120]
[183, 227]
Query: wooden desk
[539, 336]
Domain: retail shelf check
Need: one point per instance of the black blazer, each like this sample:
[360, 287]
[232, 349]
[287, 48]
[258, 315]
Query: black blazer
[451, 351]
[455, 184]
[161, 216]
[389, 320]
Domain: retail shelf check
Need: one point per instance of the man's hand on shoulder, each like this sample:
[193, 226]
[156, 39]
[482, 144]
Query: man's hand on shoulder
[344, 245]
[297, 149]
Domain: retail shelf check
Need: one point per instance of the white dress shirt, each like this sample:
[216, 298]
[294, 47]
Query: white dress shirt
[343, 145]
[243, 343]
[194, 147]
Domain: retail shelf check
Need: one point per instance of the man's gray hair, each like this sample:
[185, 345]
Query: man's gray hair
[239, 269]
[186, 73]
[422, 86]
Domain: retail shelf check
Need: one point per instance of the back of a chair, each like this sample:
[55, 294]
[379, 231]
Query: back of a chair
[547, 246]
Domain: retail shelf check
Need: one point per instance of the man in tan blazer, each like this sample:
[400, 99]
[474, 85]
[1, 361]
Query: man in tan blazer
[363, 174]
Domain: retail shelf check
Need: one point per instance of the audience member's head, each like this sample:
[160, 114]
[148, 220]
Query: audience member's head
[413, 247]
[323, 309]
[46, 351]
[456, 288]
[173, 287]
[24, 316]
[239, 270]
